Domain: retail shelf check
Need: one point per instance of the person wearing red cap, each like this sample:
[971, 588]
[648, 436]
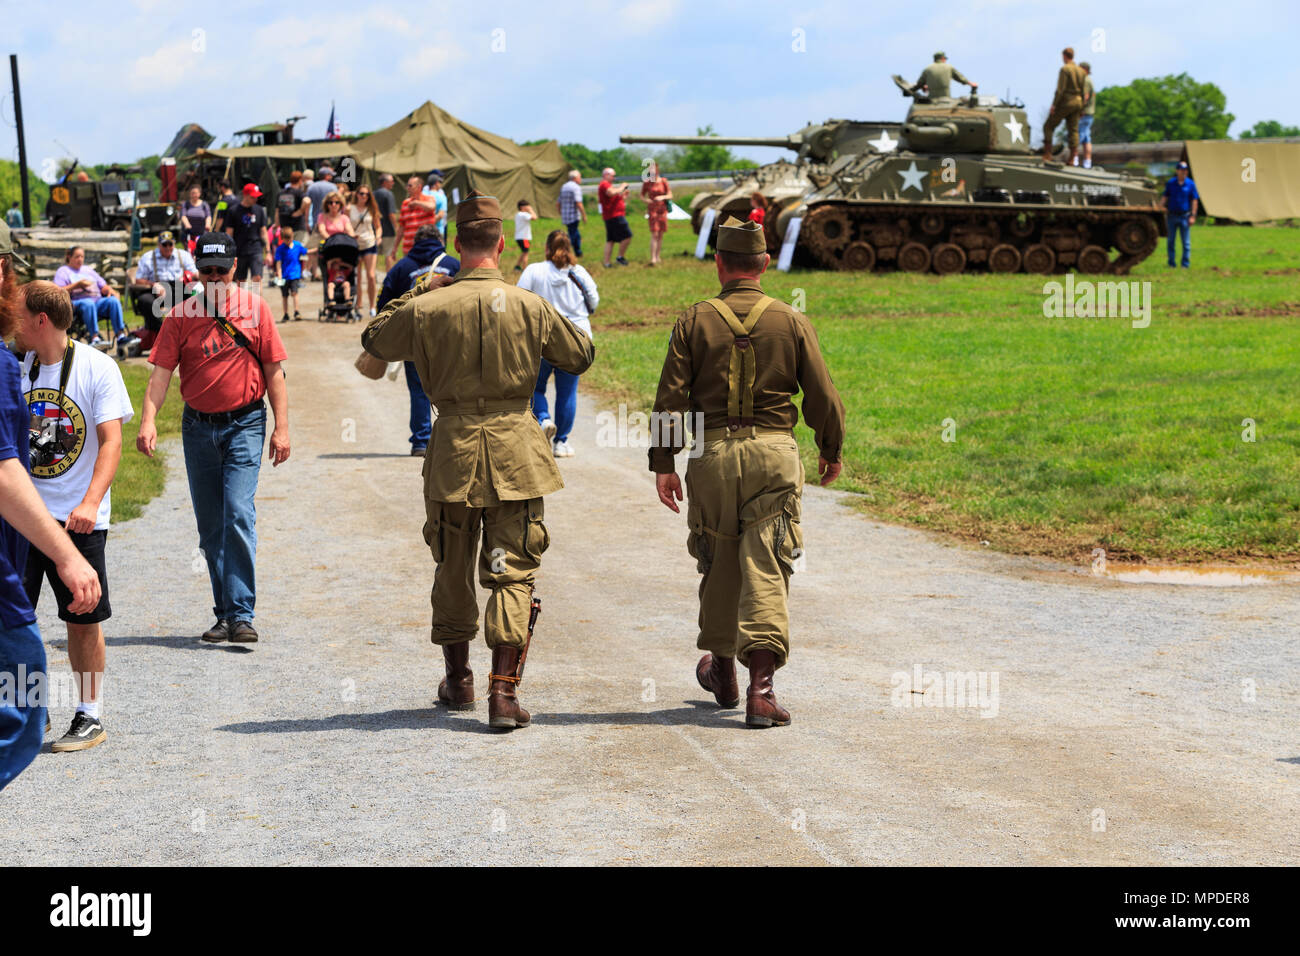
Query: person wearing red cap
[246, 224]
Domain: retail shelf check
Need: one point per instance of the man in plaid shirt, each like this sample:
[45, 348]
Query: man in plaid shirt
[571, 209]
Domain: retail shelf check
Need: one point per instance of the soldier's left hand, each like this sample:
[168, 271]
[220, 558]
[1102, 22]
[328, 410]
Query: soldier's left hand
[669, 486]
[829, 470]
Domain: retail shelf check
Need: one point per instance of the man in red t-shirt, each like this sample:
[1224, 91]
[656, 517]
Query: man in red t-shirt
[417, 209]
[225, 344]
[613, 209]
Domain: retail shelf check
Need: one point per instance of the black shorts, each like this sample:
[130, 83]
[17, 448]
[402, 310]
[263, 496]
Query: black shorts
[616, 229]
[523, 244]
[251, 263]
[290, 287]
[39, 567]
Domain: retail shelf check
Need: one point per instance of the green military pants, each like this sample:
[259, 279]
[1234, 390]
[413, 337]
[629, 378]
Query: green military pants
[743, 505]
[513, 539]
[1069, 111]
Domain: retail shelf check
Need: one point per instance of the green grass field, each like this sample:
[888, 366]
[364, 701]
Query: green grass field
[1070, 433]
[139, 478]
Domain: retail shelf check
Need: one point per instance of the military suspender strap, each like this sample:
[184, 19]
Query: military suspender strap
[744, 368]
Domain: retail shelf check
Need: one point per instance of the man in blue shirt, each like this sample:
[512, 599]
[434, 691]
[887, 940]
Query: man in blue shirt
[427, 256]
[1180, 202]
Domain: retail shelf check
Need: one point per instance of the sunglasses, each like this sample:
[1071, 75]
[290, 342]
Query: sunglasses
[166, 245]
[211, 271]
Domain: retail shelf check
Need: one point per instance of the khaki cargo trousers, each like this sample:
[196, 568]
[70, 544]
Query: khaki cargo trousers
[513, 540]
[1070, 110]
[743, 507]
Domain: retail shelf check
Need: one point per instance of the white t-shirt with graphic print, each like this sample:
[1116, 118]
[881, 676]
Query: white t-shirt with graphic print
[95, 394]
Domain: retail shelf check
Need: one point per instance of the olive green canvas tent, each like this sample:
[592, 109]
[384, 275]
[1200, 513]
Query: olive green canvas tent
[1247, 180]
[430, 138]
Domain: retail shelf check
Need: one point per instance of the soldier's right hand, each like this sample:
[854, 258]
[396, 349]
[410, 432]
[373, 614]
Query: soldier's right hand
[668, 486]
[829, 470]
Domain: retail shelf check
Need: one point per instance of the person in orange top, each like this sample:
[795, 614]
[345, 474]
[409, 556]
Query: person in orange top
[656, 192]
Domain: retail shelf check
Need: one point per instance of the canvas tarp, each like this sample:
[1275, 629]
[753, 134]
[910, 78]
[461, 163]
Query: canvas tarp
[334, 149]
[430, 138]
[1246, 181]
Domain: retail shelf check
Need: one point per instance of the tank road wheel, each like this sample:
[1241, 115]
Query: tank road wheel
[1040, 259]
[829, 229]
[948, 258]
[1004, 258]
[932, 224]
[859, 257]
[1093, 260]
[1021, 226]
[914, 257]
[1135, 236]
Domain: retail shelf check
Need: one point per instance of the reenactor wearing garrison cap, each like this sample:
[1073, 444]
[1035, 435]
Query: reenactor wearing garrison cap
[936, 79]
[736, 360]
[1067, 104]
[477, 344]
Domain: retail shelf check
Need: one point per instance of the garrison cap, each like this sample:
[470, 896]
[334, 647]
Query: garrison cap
[745, 238]
[939, 55]
[478, 206]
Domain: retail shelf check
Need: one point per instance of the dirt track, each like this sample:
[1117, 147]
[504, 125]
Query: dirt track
[322, 744]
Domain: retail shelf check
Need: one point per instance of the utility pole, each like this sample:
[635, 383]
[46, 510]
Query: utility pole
[22, 141]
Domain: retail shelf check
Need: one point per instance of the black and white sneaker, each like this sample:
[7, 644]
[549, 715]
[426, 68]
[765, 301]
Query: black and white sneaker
[85, 732]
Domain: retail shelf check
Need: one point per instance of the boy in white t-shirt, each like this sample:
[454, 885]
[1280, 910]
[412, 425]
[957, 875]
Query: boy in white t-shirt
[524, 232]
[78, 404]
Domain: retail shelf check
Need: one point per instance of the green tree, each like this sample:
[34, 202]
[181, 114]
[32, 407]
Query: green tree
[702, 158]
[1269, 129]
[1155, 109]
[11, 189]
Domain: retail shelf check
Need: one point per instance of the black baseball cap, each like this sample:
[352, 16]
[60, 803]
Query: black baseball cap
[214, 249]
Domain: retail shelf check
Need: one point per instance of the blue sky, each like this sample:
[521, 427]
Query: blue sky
[590, 71]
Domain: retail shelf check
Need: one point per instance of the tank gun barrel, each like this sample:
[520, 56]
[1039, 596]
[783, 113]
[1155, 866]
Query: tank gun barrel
[784, 142]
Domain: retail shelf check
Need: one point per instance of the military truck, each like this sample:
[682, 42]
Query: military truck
[109, 204]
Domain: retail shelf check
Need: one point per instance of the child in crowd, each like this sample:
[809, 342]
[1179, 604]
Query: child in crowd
[524, 232]
[289, 254]
[338, 274]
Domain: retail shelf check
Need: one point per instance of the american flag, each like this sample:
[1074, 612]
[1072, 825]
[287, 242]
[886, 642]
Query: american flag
[335, 128]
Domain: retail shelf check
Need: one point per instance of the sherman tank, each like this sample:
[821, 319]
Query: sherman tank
[783, 183]
[959, 191]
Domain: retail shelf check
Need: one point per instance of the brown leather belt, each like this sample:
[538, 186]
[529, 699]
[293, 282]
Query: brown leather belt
[749, 431]
[483, 406]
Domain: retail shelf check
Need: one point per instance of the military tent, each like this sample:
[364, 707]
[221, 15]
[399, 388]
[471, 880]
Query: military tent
[1246, 180]
[470, 158]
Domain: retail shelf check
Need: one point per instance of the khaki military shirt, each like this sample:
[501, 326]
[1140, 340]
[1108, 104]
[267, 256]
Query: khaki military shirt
[477, 345]
[787, 359]
[1069, 84]
[1089, 96]
[937, 79]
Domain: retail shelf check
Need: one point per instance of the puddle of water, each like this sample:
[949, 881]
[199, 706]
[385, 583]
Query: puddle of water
[1198, 577]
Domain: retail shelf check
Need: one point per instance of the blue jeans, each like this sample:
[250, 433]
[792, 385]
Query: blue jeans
[91, 311]
[575, 237]
[223, 463]
[566, 399]
[1178, 225]
[22, 720]
[421, 419]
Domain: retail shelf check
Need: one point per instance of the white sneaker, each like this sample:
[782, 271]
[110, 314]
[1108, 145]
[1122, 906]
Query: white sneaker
[563, 450]
[548, 429]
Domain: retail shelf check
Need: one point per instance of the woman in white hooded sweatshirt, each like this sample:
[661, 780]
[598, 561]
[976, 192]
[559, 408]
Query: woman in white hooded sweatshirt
[569, 287]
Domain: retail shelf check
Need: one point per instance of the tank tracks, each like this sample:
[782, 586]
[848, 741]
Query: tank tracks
[865, 237]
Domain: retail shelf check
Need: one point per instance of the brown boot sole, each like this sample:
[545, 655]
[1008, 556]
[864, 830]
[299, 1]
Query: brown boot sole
[699, 679]
[60, 748]
[757, 721]
[507, 723]
[465, 705]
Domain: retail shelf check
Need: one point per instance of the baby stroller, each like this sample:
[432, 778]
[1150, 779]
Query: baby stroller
[339, 255]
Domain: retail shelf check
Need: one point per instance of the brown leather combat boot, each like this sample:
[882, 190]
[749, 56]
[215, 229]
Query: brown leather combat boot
[761, 709]
[718, 675]
[456, 690]
[504, 711]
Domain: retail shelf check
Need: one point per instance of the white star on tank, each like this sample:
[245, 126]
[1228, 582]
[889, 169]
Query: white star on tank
[912, 177]
[884, 144]
[1015, 127]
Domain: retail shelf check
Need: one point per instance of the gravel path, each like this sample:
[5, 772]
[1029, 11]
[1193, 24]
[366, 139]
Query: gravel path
[1123, 729]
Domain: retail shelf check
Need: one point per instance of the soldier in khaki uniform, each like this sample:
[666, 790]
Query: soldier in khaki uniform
[737, 360]
[1066, 105]
[936, 79]
[477, 344]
